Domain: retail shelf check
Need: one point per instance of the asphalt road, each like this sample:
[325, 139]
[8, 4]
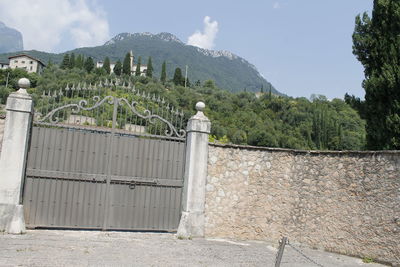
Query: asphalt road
[96, 248]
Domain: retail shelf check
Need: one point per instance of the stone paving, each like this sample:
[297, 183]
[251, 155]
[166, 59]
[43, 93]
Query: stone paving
[96, 248]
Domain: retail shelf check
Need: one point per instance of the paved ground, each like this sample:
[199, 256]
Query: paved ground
[94, 248]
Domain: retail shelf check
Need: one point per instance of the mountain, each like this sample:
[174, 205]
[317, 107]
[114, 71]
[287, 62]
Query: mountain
[228, 70]
[10, 39]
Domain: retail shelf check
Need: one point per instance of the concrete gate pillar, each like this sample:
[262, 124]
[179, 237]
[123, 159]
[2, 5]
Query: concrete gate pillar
[193, 199]
[13, 157]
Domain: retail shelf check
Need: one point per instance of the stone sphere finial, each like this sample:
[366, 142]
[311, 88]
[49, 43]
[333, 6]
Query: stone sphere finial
[24, 83]
[200, 106]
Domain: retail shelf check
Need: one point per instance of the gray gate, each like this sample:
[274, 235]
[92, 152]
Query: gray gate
[104, 157]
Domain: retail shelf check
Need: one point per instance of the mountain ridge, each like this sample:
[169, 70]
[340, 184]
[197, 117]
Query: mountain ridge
[229, 71]
[10, 39]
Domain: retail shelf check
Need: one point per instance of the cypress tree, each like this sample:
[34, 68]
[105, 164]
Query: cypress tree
[89, 64]
[106, 65]
[126, 67]
[79, 62]
[72, 61]
[177, 77]
[118, 68]
[149, 70]
[163, 73]
[65, 62]
[376, 44]
[137, 73]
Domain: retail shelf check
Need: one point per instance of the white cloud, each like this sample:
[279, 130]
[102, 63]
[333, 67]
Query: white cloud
[276, 5]
[44, 23]
[205, 39]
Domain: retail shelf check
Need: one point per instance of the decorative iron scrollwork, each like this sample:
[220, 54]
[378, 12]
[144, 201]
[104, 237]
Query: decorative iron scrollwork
[112, 100]
[150, 117]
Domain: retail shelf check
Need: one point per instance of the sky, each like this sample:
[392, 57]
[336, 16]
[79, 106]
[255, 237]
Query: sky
[301, 47]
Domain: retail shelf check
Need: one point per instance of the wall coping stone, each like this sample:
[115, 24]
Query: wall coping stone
[311, 152]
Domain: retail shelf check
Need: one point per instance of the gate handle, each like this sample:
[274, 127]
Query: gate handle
[133, 184]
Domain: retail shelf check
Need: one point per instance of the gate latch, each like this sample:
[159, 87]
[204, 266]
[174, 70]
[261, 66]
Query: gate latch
[132, 184]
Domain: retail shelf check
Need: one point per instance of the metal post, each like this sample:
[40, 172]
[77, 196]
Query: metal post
[8, 75]
[280, 251]
[186, 75]
[109, 164]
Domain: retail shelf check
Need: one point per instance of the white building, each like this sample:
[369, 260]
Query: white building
[4, 65]
[26, 62]
[143, 68]
[101, 63]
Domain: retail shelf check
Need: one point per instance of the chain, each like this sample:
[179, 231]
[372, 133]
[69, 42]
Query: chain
[304, 255]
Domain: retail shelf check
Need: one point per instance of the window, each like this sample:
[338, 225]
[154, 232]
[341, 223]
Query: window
[15, 61]
[31, 62]
[23, 62]
[31, 68]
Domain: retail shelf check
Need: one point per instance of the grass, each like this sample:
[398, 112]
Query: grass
[368, 260]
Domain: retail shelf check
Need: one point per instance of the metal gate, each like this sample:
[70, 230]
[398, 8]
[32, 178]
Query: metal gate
[104, 157]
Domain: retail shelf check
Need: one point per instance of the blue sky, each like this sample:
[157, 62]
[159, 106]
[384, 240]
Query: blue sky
[302, 47]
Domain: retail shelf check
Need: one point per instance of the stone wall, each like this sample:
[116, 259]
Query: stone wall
[345, 202]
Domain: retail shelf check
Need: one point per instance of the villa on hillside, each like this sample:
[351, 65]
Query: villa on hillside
[143, 68]
[26, 62]
[4, 65]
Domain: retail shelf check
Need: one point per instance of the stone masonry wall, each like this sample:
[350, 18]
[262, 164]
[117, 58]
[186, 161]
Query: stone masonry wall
[345, 202]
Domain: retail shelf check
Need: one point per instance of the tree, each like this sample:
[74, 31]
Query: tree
[163, 72]
[126, 66]
[106, 65]
[118, 68]
[138, 72]
[72, 61]
[376, 44]
[149, 70]
[178, 77]
[65, 62]
[89, 64]
[209, 84]
[79, 61]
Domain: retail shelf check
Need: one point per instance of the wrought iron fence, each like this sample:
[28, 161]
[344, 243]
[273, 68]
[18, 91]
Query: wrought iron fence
[110, 104]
